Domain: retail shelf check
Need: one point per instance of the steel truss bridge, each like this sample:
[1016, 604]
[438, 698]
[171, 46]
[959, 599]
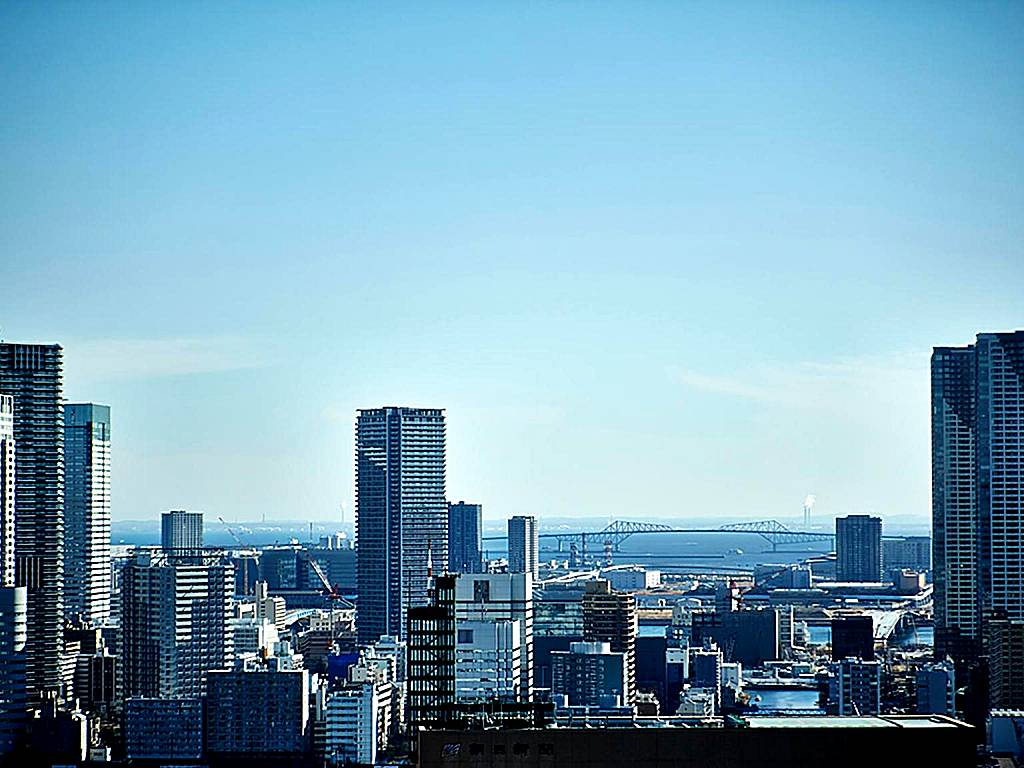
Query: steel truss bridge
[612, 535]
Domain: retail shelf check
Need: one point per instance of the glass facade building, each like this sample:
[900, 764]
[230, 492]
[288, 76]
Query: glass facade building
[87, 512]
[977, 488]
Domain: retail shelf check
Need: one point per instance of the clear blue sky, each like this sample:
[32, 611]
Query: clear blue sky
[654, 258]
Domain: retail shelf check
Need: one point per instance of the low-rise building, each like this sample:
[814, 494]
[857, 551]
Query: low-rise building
[163, 729]
[588, 673]
[936, 689]
[632, 579]
[855, 688]
[767, 742]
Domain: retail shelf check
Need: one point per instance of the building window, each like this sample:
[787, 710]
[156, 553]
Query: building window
[481, 591]
[451, 750]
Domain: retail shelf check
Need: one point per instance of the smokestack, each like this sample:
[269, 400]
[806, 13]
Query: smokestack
[808, 506]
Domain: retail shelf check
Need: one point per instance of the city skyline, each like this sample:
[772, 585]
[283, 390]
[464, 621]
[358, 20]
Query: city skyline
[539, 384]
[672, 242]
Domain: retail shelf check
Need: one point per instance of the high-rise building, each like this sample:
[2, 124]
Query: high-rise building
[977, 503]
[501, 597]
[611, 617]
[87, 512]
[13, 633]
[858, 548]
[431, 641]
[587, 673]
[175, 622]
[465, 524]
[6, 491]
[522, 545]
[855, 688]
[181, 531]
[32, 374]
[401, 514]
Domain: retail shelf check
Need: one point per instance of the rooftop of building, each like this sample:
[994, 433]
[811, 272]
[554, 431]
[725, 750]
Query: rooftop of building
[804, 721]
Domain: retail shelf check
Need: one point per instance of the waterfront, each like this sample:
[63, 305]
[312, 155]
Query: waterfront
[785, 700]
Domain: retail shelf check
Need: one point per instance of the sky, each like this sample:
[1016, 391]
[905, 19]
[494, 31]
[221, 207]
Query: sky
[654, 259]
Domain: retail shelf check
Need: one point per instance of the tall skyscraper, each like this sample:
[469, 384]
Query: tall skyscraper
[465, 524]
[87, 512]
[6, 491]
[33, 375]
[401, 514]
[858, 548]
[175, 622]
[522, 545]
[181, 530]
[977, 497]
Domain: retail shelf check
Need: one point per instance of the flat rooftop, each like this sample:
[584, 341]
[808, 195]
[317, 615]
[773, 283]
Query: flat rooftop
[593, 720]
[881, 721]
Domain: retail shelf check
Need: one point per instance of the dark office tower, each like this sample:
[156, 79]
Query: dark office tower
[465, 522]
[431, 657]
[181, 531]
[401, 514]
[858, 548]
[32, 374]
[6, 491]
[522, 545]
[977, 496]
[853, 637]
[87, 512]
[611, 617]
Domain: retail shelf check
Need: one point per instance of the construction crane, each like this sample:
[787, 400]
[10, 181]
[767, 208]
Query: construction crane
[241, 542]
